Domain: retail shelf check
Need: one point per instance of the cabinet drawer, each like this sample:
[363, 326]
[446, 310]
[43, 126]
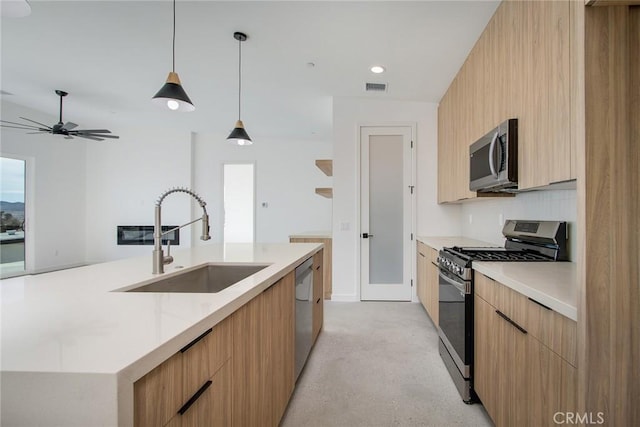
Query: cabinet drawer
[509, 302]
[204, 356]
[433, 255]
[212, 408]
[158, 395]
[557, 332]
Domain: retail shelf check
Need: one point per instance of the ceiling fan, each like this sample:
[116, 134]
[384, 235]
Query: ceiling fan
[67, 129]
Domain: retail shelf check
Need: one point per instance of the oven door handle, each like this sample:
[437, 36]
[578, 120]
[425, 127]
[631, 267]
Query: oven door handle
[464, 289]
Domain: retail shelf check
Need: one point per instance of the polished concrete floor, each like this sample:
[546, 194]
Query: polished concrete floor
[377, 364]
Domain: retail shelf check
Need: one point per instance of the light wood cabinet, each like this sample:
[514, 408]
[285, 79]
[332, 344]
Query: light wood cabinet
[519, 378]
[427, 280]
[162, 396]
[318, 299]
[520, 67]
[240, 372]
[263, 355]
[326, 259]
[421, 273]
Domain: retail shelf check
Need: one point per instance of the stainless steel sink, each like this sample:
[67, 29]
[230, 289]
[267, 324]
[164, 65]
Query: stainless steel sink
[208, 279]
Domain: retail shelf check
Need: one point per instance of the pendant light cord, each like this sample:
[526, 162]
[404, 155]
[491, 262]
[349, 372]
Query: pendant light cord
[173, 66]
[239, 74]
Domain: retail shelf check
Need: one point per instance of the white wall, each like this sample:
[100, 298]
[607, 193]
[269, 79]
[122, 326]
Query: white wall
[58, 206]
[557, 205]
[286, 178]
[85, 189]
[124, 179]
[432, 219]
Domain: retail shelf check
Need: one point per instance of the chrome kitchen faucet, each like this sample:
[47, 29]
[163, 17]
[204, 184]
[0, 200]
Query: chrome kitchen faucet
[159, 259]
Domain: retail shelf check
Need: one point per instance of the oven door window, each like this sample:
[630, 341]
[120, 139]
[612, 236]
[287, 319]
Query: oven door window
[454, 306]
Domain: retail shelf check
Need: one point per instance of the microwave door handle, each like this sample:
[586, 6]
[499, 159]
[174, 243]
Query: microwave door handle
[492, 148]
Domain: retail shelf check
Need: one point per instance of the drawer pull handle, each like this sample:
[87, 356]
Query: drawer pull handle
[435, 264]
[192, 343]
[421, 254]
[505, 317]
[318, 267]
[195, 397]
[318, 301]
[540, 304]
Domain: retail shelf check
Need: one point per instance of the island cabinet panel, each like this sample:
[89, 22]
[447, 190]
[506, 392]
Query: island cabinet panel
[318, 300]
[519, 377]
[164, 392]
[213, 406]
[521, 68]
[158, 395]
[263, 356]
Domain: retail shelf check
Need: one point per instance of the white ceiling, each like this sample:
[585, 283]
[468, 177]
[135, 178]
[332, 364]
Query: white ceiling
[113, 56]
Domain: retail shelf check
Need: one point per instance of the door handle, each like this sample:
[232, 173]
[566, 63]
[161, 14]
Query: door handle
[366, 235]
[492, 147]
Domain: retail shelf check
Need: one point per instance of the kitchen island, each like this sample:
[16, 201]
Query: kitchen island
[73, 346]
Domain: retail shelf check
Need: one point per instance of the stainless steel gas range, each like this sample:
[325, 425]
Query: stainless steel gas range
[526, 241]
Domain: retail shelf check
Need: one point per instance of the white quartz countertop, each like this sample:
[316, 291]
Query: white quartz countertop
[72, 321]
[553, 284]
[322, 234]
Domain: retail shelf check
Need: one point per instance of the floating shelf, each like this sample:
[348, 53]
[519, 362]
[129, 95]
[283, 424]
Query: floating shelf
[325, 192]
[326, 166]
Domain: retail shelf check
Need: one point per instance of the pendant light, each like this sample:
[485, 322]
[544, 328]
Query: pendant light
[172, 95]
[238, 135]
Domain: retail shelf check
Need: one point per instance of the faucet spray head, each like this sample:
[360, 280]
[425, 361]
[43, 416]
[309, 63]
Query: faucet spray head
[205, 227]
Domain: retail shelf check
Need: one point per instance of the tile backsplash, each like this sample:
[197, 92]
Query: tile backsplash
[483, 219]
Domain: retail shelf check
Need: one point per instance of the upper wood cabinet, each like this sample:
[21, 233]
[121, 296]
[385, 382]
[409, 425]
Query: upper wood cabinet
[521, 67]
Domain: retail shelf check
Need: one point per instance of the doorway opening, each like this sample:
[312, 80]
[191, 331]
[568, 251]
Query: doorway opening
[239, 202]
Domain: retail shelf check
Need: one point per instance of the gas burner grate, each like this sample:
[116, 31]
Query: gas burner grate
[503, 255]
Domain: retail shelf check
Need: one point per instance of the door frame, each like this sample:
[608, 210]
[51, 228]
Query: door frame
[29, 212]
[358, 177]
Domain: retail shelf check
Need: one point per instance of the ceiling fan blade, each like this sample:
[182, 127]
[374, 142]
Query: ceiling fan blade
[93, 130]
[25, 125]
[89, 137]
[24, 128]
[33, 121]
[99, 135]
[33, 133]
[70, 125]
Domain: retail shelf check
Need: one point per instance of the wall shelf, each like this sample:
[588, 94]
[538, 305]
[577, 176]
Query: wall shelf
[326, 166]
[325, 192]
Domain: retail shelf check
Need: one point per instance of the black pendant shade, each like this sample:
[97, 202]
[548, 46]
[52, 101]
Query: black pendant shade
[173, 96]
[238, 135]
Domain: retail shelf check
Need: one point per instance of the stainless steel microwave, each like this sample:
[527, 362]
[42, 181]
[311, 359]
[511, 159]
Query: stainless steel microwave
[493, 159]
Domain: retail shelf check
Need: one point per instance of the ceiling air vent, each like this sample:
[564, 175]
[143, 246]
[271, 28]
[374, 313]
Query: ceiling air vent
[375, 87]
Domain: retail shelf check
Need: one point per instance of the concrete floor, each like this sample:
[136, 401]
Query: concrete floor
[377, 364]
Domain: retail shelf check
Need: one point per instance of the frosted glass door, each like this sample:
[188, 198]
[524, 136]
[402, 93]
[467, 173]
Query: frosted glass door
[385, 213]
[385, 209]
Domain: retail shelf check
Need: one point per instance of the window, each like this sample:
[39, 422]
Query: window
[12, 216]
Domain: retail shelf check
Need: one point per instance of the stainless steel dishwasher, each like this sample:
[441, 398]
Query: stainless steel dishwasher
[304, 312]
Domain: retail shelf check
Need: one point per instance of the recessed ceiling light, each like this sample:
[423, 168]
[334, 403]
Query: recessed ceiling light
[377, 69]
